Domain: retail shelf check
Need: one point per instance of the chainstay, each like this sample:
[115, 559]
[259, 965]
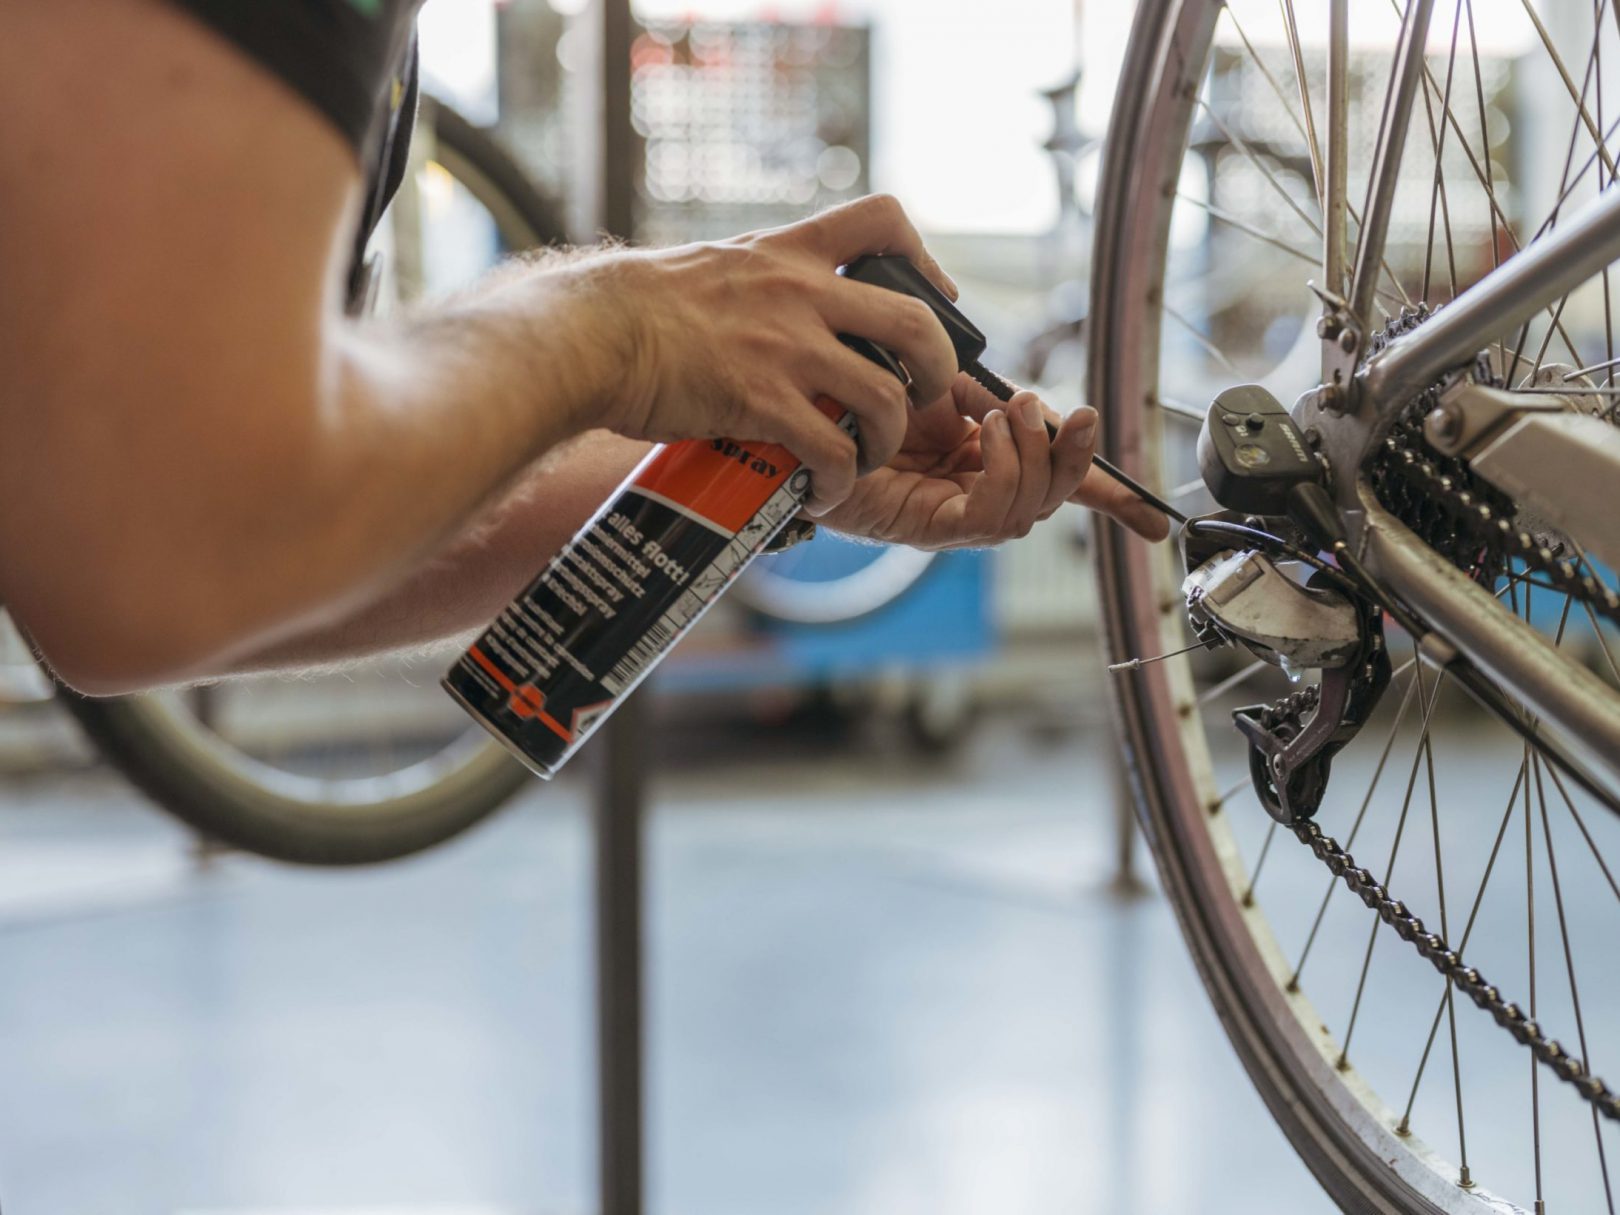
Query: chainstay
[1467, 979]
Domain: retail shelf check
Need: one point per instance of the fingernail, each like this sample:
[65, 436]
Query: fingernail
[1029, 413]
[1082, 435]
[997, 420]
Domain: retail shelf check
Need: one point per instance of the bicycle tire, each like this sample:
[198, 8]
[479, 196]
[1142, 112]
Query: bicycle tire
[226, 794]
[1326, 1114]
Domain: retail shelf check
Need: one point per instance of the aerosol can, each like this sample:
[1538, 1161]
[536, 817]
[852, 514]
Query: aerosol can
[607, 609]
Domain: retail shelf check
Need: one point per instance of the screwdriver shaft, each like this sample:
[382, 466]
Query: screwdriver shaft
[1003, 391]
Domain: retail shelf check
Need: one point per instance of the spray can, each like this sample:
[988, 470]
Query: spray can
[615, 600]
[604, 612]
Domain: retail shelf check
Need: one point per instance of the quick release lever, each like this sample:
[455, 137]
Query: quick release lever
[896, 273]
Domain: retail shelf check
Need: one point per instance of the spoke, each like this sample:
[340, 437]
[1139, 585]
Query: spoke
[1450, 993]
[1222, 798]
[1180, 409]
[1603, 642]
[1578, 98]
[1265, 171]
[1569, 968]
[1265, 851]
[1607, 365]
[1231, 681]
[1210, 348]
[1585, 833]
[1484, 175]
[1355, 828]
[1186, 490]
[1484, 135]
[1438, 191]
[1305, 102]
[1407, 70]
[1468, 931]
[1608, 305]
[1308, 136]
[1563, 183]
[1530, 936]
[1394, 853]
[1226, 217]
[1570, 390]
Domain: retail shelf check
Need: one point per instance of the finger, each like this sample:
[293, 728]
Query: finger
[876, 398]
[819, 444]
[898, 323]
[939, 426]
[874, 224]
[973, 399]
[1102, 493]
[1034, 450]
[1072, 449]
[984, 514]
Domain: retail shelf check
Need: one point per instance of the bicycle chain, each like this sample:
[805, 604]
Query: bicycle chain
[1467, 979]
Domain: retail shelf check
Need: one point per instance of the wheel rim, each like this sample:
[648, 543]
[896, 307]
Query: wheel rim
[1212, 842]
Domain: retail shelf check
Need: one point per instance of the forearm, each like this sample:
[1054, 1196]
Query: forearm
[462, 587]
[279, 495]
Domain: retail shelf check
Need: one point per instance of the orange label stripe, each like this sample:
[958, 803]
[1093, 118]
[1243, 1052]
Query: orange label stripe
[526, 700]
[724, 480]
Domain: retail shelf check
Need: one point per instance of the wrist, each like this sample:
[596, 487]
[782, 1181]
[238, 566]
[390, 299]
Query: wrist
[614, 331]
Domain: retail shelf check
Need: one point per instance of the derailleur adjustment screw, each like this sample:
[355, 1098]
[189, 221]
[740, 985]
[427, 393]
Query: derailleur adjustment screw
[1328, 326]
[1348, 341]
[1313, 436]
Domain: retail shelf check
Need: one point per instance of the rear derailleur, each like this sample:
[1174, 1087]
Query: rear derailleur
[1247, 586]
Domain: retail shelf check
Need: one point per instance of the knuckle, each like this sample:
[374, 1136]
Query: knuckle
[884, 204]
[915, 320]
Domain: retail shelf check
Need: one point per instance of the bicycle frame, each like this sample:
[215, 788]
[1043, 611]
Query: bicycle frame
[1373, 393]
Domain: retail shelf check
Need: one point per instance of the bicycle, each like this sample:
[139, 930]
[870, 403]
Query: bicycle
[1452, 381]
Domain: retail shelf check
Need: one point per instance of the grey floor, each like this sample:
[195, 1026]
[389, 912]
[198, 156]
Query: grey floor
[877, 986]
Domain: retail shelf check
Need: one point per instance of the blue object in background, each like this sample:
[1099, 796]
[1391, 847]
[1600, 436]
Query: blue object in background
[943, 619]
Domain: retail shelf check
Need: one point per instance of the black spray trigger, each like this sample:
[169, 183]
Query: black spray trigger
[894, 272]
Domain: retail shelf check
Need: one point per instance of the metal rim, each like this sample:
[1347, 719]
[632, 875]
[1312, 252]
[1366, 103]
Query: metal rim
[1345, 1133]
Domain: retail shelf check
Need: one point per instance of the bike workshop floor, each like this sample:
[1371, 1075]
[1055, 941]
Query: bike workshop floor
[877, 986]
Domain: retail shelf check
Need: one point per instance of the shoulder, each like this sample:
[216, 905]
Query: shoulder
[340, 56]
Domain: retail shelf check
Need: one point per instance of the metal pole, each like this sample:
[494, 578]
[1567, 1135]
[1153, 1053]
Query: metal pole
[619, 811]
[621, 789]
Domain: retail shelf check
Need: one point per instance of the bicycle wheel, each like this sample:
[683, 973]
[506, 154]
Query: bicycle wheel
[1396, 1091]
[830, 580]
[372, 762]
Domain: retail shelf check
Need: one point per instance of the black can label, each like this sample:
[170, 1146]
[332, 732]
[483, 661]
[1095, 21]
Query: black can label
[624, 591]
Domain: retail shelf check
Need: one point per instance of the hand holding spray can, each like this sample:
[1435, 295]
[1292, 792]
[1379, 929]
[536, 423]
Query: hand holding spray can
[616, 599]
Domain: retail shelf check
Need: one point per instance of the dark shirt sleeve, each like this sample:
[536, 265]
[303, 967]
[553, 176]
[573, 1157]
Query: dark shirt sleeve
[342, 56]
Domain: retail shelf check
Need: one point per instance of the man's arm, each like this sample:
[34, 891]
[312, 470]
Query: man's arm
[199, 458]
[197, 453]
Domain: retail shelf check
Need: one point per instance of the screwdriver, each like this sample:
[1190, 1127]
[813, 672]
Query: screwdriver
[896, 273]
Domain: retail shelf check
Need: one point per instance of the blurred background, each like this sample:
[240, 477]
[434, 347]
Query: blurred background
[901, 955]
